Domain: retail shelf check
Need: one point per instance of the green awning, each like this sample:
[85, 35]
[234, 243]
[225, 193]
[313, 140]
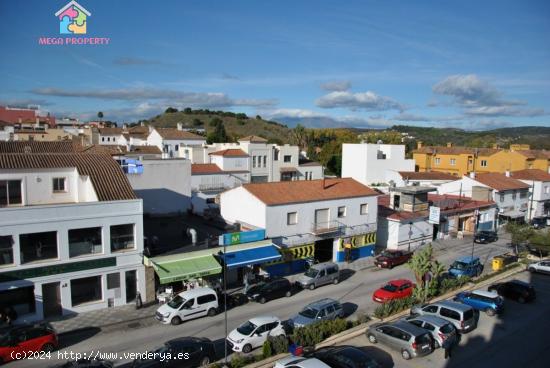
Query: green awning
[185, 267]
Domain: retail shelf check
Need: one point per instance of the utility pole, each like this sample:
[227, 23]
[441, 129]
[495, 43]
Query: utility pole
[225, 298]
[530, 212]
[476, 214]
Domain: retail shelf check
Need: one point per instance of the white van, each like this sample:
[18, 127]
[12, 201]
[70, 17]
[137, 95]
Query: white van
[187, 305]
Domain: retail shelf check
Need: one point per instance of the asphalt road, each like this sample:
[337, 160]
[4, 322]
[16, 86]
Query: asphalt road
[354, 293]
[517, 338]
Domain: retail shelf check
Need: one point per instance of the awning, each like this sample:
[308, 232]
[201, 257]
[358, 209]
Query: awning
[512, 214]
[251, 256]
[288, 169]
[184, 267]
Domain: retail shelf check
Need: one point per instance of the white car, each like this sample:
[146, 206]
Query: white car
[254, 332]
[190, 304]
[299, 362]
[542, 267]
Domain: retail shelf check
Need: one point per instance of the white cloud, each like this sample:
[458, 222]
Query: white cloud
[361, 100]
[340, 85]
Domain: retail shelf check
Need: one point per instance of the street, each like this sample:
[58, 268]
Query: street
[354, 293]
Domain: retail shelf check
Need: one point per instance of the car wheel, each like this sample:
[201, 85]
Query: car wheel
[372, 339]
[405, 354]
[436, 344]
[288, 294]
[490, 312]
[312, 286]
[532, 269]
[205, 361]
[262, 300]
[247, 348]
[175, 321]
[336, 281]
[521, 300]
[211, 312]
[47, 348]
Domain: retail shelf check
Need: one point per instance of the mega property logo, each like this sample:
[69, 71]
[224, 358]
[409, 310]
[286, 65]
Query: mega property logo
[73, 20]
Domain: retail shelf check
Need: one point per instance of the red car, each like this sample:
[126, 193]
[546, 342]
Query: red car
[20, 342]
[395, 289]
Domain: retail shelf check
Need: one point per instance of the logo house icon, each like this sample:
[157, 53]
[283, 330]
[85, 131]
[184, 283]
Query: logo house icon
[72, 18]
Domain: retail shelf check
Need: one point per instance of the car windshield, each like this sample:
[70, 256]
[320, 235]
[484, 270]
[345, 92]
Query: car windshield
[246, 328]
[312, 272]
[469, 314]
[256, 288]
[390, 287]
[387, 254]
[447, 329]
[459, 265]
[176, 302]
[348, 359]
[309, 313]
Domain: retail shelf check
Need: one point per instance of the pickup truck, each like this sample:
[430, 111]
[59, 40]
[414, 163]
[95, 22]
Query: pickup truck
[392, 258]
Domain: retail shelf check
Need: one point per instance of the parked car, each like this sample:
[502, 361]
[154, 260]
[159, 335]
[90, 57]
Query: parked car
[538, 222]
[270, 290]
[396, 289]
[443, 332]
[392, 258]
[299, 362]
[462, 316]
[410, 340]
[485, 236]
[87, 363]
[515, 290]
[185, 352]
[345, 357]
[318, 275]
[187, 305]
[19, 341]
[254, 332]
[487, 301]
[321, 310]
[466, 266]
[542, 267]
[233, 300]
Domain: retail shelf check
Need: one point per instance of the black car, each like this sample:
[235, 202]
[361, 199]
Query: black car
[184, 352]
[88, 363]
[538, 222]
[233, 300]
[344, 357]
[515, 290]
[485, 236]
[270, 290]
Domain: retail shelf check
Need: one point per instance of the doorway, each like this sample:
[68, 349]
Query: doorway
[51, 299]
[323, 250]
[131, 286]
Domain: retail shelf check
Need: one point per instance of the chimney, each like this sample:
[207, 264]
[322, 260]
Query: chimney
[125, 126]
[419, 144]
[449, 144]
[472, 174]
[142, 123]
[150, 128]
[507, 173]
[180, 126]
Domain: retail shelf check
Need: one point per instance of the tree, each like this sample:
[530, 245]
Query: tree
[421, 264]
[520, 233]
[299, 135]
[187, 110]
[197, 122]
[218, 135]
[171, 110]
[258, 117]
[100, 115]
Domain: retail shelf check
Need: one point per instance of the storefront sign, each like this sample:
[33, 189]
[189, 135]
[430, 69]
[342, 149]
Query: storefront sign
[31, 273]
[242, 237]
[435, 212]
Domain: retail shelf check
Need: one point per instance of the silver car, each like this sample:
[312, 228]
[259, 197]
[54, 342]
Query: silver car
[318, 275]
[321, 310]
[402, 336]
[443, 331]
[462, 316]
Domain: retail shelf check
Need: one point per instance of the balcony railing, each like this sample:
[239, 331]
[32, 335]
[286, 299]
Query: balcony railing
[329, 227]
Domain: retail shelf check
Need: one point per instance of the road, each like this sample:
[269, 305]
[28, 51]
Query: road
[354, 293]
[514, 339]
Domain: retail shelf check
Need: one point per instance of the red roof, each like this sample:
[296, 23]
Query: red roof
[500, 182]
[432, 175]
[234, 152]
[531, 174]
[14, 115]
[202, 169]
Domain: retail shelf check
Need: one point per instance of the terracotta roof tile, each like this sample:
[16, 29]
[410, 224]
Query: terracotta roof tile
[535, 154]
[500, 182]
[110, 131]
[286, 192]
[39, 147]
[456, 150]
[235, 152]
[253, 139]
[150, 150]
[531, 174]
[107, 177]
[110, 149]
[172, 133]
[432, 175]
[201, 169]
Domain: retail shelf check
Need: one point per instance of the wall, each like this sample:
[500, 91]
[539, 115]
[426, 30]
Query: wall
[230, 163]
[541, 194]
[238, 205]
[164, 185]
[395, 235]
[316, 172]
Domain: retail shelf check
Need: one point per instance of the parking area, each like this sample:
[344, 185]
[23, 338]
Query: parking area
[517, 338]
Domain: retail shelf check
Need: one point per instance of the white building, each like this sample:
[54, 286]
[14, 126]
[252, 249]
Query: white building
[429, 179]
[112, 137]
[71, 235]
[171, 141]
[374, 163]
[539, 188]
[316, 217]
[511, 195]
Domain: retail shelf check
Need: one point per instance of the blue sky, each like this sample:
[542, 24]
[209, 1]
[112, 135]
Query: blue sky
[468, 64]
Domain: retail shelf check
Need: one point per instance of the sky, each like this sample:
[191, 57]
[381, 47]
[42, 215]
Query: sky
[467, 64]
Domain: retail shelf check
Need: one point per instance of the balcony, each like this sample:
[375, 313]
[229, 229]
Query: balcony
[325, 228]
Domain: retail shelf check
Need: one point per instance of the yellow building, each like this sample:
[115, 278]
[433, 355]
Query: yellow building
[460, 161]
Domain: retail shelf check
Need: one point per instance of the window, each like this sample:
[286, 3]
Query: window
[450, 314]
[287, 158]
[341, 211]
[470, 161]
[514, 194]
[38, 246]
[113, 280]
[292, 218]
[453, 161]
[437, 160]
[523, 194]
[265, 161]
[103, 139]
[21, 299]
[502, 197]
[276, 155]
[483, 163]
[122, 237]
[364, 209]
[253, 161]
[430, 309]
[86, 290]
[10, 193]
[59, 184]
[547, 190]
[206, 299]
[6, 250]
[176, 147]
[85, 241]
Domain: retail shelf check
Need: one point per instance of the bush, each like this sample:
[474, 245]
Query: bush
[450, 284]
[279, 344]
[266, 349]
[314, 334]
[393, 306]
[241, 122]
[238, 360]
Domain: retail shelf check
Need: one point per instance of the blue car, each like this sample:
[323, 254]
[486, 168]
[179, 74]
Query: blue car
[487, 301]
[466, 266]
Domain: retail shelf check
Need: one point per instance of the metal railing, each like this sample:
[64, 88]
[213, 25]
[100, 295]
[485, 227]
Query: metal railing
[328, 227]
